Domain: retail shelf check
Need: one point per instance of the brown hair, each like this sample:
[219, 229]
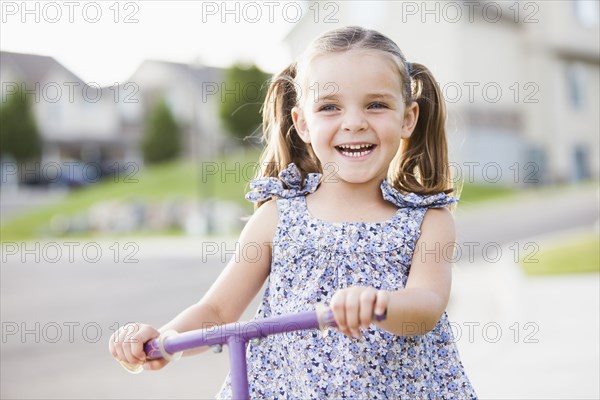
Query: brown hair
[421, 165]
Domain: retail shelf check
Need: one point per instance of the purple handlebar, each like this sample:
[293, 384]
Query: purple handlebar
[244, 331]
[236, 335]
[240, 331]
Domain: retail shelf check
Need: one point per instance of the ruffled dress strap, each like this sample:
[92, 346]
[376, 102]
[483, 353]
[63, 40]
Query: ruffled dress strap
[413, 200]
[267, 187]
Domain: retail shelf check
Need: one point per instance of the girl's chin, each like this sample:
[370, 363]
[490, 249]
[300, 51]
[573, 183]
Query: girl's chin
[358, 178]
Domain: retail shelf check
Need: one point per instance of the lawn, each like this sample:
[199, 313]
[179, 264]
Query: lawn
[579, 254]
[472, 193]
[224, 179]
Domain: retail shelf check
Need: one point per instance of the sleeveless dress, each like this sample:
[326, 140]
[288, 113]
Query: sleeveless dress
[311, 260]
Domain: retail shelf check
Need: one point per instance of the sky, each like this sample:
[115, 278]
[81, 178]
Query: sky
[105, 41]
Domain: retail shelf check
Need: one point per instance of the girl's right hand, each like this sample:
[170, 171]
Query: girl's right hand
[127, 345]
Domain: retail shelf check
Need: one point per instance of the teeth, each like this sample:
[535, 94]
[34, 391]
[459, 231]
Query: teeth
[344, 149]
[356, 153]
[355, 146]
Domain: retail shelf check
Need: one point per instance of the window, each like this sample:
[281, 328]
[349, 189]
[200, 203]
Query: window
[576, 83]
[587, 12]
[581, 168]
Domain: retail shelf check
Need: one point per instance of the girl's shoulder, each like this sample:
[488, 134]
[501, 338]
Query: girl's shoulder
[261, 226]
[414, 200]
[288, 185]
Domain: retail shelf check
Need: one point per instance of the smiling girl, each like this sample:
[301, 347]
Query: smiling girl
[352, 210]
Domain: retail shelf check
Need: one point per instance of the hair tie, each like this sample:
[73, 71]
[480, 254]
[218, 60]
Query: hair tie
[409, 68]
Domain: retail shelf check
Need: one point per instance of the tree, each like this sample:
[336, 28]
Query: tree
[19, 136]
[242, 96]
[162, 139]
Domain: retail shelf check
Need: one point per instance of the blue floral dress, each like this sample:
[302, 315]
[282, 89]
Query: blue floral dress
[311, 260]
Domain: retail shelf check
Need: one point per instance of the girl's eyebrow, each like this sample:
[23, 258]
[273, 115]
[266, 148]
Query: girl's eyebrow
[378, 95]
[384, 95]
[331, 96]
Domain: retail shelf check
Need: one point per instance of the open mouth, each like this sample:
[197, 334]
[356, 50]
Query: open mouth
[355, 150]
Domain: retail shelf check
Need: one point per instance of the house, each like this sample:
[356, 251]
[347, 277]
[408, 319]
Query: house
[76, 120]
[192, 94]
[521, 79]
[105, 125]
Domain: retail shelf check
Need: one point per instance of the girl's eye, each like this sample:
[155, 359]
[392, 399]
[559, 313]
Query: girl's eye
[377, 105]
[327, 107]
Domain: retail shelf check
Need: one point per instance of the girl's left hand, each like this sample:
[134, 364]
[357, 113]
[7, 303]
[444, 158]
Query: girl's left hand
[355, 306]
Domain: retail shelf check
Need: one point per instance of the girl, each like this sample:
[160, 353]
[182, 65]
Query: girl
[352, 210]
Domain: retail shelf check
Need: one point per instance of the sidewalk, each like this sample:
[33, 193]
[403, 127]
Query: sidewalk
[528, 215]
[527, 337]
[15, 201]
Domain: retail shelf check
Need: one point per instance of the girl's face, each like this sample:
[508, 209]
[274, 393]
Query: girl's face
[354, 115]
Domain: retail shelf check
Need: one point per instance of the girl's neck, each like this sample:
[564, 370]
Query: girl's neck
[350, 202]
[355, 193]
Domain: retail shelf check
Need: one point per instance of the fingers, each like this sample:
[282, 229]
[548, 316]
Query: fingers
[127, 344]
[153, 365]
[127, 341]
[367, 306]
[116, 346]
[353, 308]
[111, 346]
[338, 306]
[352, 312]
[381, 302]
[137, 340]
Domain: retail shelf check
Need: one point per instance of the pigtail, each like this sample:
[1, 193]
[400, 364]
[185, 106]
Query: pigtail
[423, 163]
[283, 144]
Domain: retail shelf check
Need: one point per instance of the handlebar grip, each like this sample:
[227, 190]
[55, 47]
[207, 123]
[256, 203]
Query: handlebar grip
[154, 349]
[326, 319]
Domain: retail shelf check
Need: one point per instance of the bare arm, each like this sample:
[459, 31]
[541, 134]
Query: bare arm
[241, 279]
[417, 308]
[224, 302]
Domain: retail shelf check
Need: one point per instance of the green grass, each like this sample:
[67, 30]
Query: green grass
[179, 179]
[579, 254]
[472, 193]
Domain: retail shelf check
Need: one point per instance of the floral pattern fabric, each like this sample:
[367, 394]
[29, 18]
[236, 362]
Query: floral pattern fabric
[311, 260]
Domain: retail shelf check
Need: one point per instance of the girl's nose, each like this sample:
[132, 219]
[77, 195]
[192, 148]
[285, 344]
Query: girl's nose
[354, 121]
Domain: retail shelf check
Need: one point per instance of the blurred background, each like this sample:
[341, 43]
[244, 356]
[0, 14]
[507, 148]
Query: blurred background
[130, 130]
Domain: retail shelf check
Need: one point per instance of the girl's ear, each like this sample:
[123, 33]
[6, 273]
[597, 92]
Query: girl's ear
[300, 124]
[411, 116]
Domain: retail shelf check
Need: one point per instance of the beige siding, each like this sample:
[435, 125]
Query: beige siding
[530, 55]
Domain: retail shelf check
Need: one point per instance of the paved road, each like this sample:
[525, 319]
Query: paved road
[532, 215]
[57, 319]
